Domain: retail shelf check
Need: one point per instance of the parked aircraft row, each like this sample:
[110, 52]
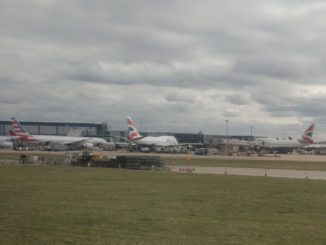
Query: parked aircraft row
[20, 134]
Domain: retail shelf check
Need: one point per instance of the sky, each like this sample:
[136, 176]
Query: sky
[173, 66]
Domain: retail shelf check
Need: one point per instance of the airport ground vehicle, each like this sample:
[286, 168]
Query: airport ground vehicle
[201, 151]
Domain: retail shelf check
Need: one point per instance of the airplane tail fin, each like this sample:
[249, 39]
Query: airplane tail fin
[132, 130]
[17, 128]
[307, 135]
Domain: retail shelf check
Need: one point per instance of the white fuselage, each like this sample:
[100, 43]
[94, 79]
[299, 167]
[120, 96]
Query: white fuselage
[65, 140]
[157, 141]
[278, 144]
[315, 146]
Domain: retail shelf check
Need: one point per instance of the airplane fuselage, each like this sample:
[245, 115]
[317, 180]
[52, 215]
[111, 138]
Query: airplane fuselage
[63, 140]
[281, 146]
[157, 141]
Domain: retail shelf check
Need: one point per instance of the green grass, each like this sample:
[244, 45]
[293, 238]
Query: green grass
[67, 205]
[13, 157]
[276, 164]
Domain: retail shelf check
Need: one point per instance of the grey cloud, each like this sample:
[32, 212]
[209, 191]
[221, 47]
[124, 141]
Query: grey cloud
[278, 69]
[311, 108]
[238, 99]
[179, 97]
[231, 113]
[150, 73]
[278, 101]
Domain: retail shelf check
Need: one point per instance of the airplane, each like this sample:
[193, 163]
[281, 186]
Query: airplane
[149, 141]
[20, 132]
[285, 145]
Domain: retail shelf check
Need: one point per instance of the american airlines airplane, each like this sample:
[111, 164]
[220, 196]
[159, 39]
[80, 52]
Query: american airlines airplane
[87, 142]
[159, 141]
[284, 146]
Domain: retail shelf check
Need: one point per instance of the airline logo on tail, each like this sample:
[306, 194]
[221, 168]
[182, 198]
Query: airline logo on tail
[307, 135]
[19, 131]
[132, 130]
[17, 128]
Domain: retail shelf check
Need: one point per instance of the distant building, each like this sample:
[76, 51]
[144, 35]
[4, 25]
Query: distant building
[54, 128]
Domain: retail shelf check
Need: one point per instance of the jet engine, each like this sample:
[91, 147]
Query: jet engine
[88, 145]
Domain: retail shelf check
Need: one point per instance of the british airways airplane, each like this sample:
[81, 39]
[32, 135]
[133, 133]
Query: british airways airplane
[159, 141]
[286, 145]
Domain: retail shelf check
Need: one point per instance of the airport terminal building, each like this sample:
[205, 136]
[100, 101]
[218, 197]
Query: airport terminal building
[54, 128]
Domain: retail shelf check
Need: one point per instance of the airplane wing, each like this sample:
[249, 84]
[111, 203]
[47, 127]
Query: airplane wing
[120, 137]
[191, 144]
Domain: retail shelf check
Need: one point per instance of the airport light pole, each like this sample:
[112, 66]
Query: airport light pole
[226, 136]
[226, 129]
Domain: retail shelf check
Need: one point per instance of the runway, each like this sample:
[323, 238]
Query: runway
[279, 173]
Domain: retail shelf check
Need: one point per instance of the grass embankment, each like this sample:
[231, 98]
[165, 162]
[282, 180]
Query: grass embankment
[269, 164]
[66, 205]
[48, 157]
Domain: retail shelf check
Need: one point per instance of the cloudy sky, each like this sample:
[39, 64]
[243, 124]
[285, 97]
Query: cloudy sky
[180, 66]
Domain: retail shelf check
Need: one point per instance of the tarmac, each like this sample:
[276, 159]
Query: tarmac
[268, 157]
[279, 173]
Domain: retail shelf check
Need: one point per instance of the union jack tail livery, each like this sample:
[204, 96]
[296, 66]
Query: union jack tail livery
[132, 130]
[307, 135]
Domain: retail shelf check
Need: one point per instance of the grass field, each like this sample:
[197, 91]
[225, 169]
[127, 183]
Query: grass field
[72, 205]
[275, 164]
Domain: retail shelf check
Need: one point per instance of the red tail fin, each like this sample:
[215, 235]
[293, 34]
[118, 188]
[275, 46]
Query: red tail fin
[132, 130]
[307, 135]
[20, 132]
